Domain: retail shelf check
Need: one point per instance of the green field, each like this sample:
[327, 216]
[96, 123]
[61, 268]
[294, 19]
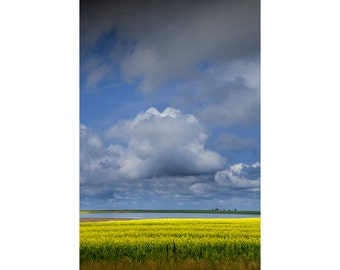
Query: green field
[224, 211]
[171, 244]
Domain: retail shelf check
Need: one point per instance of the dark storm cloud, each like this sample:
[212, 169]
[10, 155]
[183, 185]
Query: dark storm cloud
[169, 40]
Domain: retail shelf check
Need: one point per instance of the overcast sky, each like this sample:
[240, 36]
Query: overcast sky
[170, 104]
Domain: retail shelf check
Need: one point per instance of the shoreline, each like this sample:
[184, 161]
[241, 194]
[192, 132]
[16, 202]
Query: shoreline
[102, 219]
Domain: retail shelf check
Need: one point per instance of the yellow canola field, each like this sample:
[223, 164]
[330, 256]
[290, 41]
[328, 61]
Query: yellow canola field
[171, 239]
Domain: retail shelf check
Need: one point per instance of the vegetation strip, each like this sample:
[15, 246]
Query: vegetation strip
[213, 211]
[101, 219]
[184, 264]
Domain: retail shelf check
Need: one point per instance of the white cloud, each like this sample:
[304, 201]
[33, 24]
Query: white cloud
[88, 138]
[161, 154]
[95, 141]
[136, 171]
[164, 143]
[240, 175]
[151, 148]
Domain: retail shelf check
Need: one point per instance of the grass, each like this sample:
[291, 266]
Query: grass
[183, 264]
[240, 212]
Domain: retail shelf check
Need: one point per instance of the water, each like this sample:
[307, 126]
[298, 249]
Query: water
[163, 215]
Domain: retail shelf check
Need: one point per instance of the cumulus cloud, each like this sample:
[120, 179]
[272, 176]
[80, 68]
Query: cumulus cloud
[160, 158]
[153, 145]
[240, 176]
[167, 143]
[87, 138]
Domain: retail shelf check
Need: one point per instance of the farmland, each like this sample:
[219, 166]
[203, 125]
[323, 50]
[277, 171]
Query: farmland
[171, 244]
[213, 211]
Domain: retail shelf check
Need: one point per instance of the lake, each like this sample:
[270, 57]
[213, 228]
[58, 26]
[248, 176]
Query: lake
[163, 215]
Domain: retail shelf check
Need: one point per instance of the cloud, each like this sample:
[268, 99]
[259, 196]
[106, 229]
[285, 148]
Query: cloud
[91, 140]
[152, 145]
[232, 142]
[97, 75]
[238, 109]
[159, 159]
[167, 143]
[240, 176]
[198, 56]
[170, 40]
[226, 95]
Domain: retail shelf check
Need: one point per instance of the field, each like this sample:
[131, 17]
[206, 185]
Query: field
[217, 211]
[171, 244]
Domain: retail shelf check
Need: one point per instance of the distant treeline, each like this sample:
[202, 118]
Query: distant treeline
[212, 211]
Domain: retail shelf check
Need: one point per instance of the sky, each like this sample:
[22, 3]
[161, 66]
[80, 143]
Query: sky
[170, 104]
[39, 122]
